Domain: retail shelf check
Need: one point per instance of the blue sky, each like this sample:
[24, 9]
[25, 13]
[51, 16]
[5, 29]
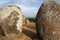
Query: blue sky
[29, 7]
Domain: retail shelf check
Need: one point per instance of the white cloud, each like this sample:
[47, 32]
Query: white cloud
[29, 8]
[34, 1]
[28, 11]
[3, 1]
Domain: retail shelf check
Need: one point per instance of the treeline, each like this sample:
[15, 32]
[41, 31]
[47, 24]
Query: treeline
[31, 19]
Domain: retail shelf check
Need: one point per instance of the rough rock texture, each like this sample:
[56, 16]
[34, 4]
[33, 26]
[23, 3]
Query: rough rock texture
[48, 21]
[25, 21]
[11, 21]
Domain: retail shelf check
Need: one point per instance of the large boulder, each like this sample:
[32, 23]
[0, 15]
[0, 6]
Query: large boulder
[11, 20]
[48, 21]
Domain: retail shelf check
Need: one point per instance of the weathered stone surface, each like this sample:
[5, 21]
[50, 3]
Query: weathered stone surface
[11, 20]
[25, 21]
[48, 21]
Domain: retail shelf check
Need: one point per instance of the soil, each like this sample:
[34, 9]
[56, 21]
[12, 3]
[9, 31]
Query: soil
[29, 32]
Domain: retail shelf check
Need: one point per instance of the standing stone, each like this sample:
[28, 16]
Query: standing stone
[25, 21]
[48, 21]
[11, 20]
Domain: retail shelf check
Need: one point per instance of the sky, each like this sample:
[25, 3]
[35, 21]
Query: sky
[29, 7]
